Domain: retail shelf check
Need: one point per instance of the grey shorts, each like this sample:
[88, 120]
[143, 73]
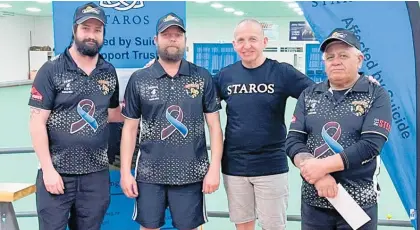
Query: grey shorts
[264, 198]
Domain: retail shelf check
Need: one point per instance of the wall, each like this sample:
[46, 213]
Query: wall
[18, 33]
[212, 31]
[22, 31]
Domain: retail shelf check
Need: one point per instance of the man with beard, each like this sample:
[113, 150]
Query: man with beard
[170, 98]
[73, 98]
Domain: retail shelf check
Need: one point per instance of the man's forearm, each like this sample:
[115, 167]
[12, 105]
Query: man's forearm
[128, 144]
[301, 157]
[216, 146]
[40, 144]
[333, 163]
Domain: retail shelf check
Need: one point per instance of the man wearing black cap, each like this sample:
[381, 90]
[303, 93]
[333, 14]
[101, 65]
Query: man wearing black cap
[336, 135]
[73, 98]
[169, 101]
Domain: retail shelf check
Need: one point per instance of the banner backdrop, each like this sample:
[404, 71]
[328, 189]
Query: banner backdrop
[386, 35]
[128, 45]
[129, 31]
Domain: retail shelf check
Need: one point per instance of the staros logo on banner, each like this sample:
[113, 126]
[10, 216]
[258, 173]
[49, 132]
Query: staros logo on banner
[131, 26]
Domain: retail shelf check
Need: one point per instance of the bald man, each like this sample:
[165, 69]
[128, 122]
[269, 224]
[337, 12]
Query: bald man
[254, 163]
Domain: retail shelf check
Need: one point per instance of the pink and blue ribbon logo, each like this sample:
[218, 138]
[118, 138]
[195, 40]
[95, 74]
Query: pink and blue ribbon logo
[86, 117]
[175, 122]
[331, 142]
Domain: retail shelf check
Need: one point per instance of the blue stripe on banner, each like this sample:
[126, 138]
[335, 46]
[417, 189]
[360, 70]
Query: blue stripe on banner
[385, 32]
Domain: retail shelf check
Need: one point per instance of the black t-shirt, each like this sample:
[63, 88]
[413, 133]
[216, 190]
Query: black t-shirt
[78, 123]
[256, 100]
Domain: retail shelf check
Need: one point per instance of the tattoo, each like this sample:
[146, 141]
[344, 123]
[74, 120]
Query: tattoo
[34, 111]
[301, 157]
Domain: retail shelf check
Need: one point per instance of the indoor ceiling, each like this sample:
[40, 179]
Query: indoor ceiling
[250, 8]
[19, 7]
[195, 9]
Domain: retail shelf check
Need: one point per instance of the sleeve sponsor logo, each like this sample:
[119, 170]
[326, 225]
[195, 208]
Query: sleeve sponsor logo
[35, 94]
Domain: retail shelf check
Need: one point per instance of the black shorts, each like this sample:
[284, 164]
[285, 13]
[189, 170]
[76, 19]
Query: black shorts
[314, 218]
[86, 199]
[186, 204]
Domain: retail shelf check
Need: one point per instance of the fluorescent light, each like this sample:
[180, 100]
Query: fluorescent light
[300, 12]
[5, 5]
[216, 5]
[293, 5]
[33, 9]
[297, 9]
[229, 9]
[239, 13]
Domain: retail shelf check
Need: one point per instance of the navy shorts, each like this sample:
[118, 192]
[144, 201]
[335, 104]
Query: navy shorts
[314, 218]
[82, 206]
[186, 204]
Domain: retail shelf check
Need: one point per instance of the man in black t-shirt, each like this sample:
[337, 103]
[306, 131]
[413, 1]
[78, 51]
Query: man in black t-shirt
[73, 98]
[254, 164]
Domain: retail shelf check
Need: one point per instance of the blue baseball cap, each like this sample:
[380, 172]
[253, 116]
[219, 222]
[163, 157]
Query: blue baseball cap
[343, 35]
[168, 20]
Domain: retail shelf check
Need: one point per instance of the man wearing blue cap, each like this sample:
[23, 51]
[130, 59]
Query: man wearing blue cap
[73, 98]
[169, 101]
[337, 132]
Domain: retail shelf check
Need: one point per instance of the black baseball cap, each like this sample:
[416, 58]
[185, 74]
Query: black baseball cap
[88, 11]
[343, 35]
[168, 20]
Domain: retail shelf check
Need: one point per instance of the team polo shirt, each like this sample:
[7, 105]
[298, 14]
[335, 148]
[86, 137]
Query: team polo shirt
[78, 123]
[333, 122]
[255, 103]
[173, 146]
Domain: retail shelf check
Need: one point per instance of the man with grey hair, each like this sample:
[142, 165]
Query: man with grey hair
[337, 132]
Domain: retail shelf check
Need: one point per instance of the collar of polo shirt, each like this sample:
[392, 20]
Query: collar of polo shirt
[361, 85]
[184, 69]
[71, 64]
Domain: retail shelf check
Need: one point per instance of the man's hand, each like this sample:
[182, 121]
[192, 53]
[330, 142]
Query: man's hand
[149, 64]
[211, 180]
[53, 181]
[373, 80]
[327, 186]
[129, 185]
[312, 170]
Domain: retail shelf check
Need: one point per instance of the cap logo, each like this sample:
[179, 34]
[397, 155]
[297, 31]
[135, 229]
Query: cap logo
[338, 35]
[170, 18]
[90, 9]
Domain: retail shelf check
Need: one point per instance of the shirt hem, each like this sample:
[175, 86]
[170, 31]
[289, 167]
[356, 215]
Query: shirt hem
[256, 174]
[332, 207]
[81, 173]
[167, 183]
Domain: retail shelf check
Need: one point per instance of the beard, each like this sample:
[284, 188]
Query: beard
[165, 55]
[86, 49]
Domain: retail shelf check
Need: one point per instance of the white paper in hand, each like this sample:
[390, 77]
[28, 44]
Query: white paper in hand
[354, 215]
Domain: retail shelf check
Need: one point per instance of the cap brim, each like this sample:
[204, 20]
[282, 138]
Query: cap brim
[169, 25]
[85, 18]
[328, 41]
